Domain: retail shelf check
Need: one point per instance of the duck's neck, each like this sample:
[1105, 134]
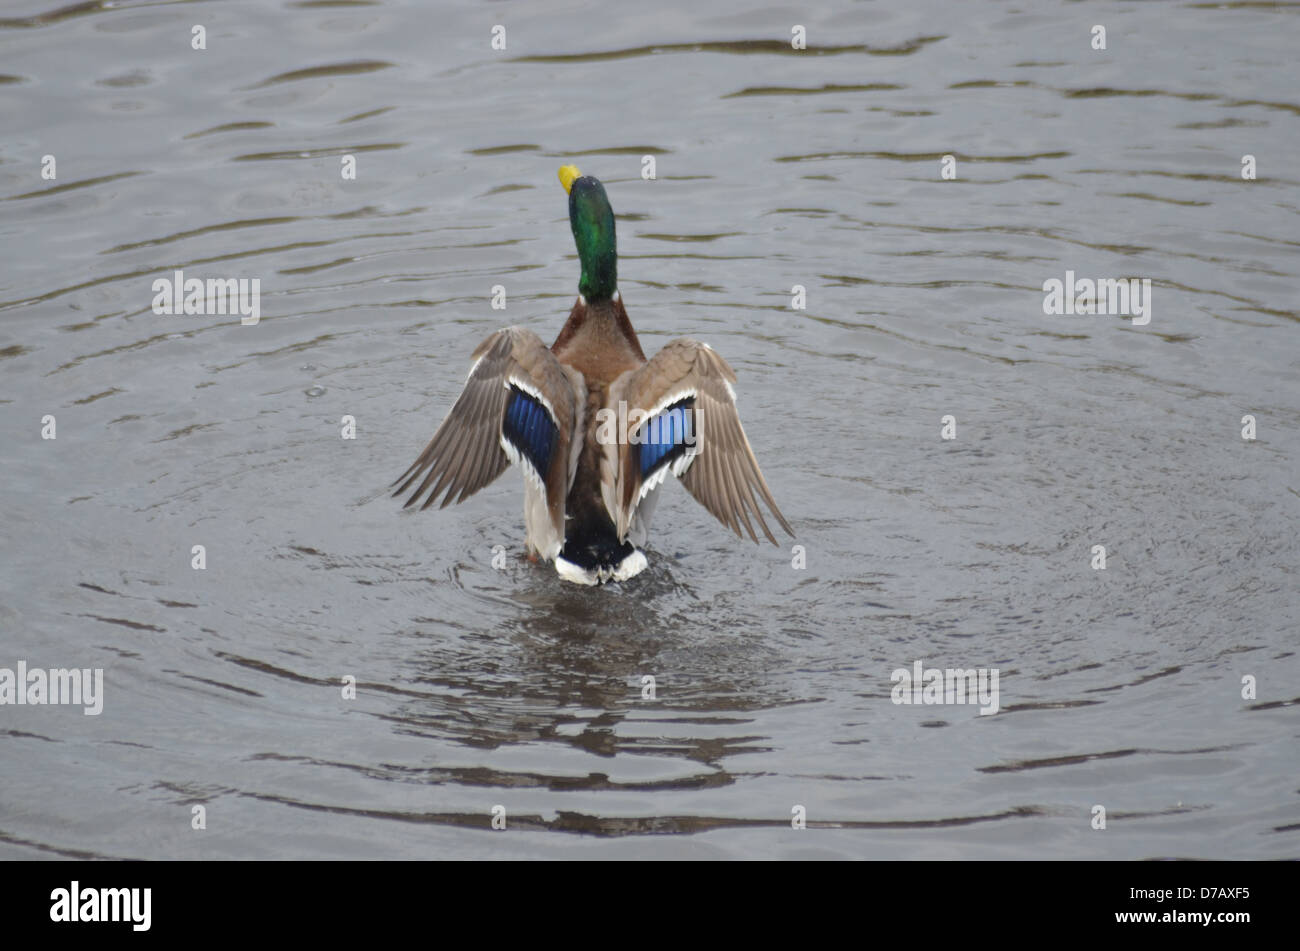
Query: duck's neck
[598, 340]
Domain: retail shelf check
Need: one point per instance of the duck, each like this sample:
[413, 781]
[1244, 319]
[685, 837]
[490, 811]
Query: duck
[595, 426]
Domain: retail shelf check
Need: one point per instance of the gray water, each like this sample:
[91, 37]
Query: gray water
[479, 686]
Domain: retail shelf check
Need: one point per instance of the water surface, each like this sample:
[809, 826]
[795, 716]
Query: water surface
[479, 687]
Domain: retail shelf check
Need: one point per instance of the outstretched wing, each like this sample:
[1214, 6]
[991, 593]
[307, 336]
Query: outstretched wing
[689, 426]
[519, 405]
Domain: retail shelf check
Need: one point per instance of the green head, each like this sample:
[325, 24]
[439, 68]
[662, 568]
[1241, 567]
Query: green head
[592, 221]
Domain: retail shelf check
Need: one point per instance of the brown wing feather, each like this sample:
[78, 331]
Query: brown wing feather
[723, 476]
[465, 453]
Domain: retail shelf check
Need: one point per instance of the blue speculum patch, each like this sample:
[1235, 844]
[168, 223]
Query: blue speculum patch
[529, 428]
[666, 436]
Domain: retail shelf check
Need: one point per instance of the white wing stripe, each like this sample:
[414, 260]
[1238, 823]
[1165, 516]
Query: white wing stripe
[527, 386]
[525, 465]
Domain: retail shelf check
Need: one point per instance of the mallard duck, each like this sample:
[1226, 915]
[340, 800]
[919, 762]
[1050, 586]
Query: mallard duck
[595, 426]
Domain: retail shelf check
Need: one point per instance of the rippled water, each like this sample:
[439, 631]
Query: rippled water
[478, 687]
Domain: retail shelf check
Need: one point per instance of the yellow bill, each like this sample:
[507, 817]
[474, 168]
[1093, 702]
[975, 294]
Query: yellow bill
[567, 174]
